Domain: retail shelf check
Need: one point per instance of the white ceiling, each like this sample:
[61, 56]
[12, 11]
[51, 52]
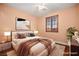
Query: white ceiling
[30, 7]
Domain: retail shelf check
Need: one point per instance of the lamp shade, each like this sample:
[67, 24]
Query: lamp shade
[36, 32]
[7, 33]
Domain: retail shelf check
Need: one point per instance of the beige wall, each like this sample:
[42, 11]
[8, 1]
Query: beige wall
[8, 16]
[67, 18]
[77, 7]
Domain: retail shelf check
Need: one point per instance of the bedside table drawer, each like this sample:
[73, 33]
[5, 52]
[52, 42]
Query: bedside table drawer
[5, 46]
[0, 47]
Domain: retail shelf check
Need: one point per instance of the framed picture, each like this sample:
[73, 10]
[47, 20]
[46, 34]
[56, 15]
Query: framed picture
[52, 24]
[22, 24]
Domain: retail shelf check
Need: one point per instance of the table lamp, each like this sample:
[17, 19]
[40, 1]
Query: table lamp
[7, 34]
[35, 32]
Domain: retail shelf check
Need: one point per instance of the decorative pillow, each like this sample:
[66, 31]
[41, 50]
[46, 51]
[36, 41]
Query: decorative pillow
[30, 34]
[20, 35]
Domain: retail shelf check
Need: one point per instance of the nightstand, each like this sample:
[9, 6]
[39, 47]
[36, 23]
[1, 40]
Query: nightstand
[74, 48]
[5, 45]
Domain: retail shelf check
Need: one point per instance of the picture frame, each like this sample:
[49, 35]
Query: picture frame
[22, 24]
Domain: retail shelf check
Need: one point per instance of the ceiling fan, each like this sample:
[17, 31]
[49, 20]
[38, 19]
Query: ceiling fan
[41, 7]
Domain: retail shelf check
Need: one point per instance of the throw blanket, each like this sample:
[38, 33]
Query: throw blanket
[24, 48]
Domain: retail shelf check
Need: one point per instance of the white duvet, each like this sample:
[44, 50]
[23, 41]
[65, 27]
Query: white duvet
[37, 50]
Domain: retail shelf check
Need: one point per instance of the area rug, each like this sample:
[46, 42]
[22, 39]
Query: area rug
[58, 50]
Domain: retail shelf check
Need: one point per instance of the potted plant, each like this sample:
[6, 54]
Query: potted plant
[70, 32]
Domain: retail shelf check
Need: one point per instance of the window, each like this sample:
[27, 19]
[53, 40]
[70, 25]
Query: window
[52, 24]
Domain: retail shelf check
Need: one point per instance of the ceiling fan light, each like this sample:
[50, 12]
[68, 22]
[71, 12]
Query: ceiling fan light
[41, 7]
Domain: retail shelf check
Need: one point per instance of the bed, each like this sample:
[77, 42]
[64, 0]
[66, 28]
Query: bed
[38, 49]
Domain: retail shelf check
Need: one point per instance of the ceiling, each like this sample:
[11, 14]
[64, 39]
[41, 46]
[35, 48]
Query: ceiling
[34, 10]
